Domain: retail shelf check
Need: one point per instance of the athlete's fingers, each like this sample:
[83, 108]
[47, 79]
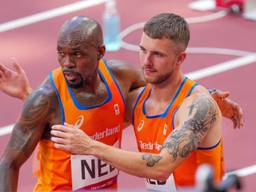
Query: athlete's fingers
[241, 117]
[238, 115]
[5, 71]
[71, 127]
[234, 122]
[223, 94]
[2, 67]
[58, 140]
[67, 124]
[59, 134]
[1, 75]
[16, 65]
[61, 146]
[62, 128]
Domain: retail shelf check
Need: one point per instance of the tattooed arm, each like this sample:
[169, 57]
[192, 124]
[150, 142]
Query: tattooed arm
[26, 133]
[199, 120]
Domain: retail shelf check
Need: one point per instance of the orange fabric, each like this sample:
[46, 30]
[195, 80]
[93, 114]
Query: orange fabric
[152, 131]
[103, 123]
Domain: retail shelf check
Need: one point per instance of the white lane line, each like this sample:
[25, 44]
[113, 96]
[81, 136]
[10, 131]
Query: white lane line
[49, 14]
[243, 172]
[190, 20]
[199, 74]
[6, 130]
[206, 18]
[222, 67]
[217, 51]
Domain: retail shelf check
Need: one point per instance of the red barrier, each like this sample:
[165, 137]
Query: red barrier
[231, 4]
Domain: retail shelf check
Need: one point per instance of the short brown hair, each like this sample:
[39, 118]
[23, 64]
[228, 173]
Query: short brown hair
[170, 26]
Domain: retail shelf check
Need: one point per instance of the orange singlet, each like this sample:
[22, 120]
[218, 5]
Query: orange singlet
[151, 132]
[61, 171]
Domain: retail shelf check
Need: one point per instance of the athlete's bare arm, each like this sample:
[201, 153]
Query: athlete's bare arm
[198, 116]
[28, 130]
[15, 83]
[128, 77]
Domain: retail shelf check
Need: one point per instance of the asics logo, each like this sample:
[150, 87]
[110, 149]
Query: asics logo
[79, 122]
[140, 126]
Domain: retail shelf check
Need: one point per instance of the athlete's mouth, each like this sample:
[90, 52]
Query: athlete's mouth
[70, 76]
[74, 79]
[148, 71]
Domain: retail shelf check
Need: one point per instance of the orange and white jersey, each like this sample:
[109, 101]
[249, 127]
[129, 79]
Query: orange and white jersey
[59, 170]
[152, 131]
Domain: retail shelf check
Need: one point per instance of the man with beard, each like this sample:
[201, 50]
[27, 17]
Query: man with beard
[83, 92]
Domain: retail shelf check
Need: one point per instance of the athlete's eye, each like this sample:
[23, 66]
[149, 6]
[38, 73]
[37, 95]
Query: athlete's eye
[142, 50]
[158, 54]
[78, 54]
[61, 53]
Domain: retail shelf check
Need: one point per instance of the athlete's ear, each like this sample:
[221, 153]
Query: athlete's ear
[101, 51]
[181, 57]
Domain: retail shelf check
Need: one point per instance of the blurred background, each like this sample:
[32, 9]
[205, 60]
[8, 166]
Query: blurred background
[221, 55]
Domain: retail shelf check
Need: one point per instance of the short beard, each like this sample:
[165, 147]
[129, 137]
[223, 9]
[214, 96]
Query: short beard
[159, 79]
[75, 85]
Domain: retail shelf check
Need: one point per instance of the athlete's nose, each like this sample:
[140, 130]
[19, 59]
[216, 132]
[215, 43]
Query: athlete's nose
[147, 61]
[67, 62]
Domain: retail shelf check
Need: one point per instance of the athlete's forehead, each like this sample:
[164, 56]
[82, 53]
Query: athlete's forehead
[75, 38]
[80, 31]
[155, 44]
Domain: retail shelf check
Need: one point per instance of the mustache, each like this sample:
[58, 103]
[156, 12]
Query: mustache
[65, 70]
[149, 69]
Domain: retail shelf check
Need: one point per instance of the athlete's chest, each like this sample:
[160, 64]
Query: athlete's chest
[92, 98]
[151, 132]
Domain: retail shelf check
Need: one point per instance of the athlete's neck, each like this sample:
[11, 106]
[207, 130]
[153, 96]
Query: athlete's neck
[90, 84]
[166, 90]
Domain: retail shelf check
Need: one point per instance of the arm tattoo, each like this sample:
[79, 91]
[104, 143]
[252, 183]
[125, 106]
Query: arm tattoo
[26, 133]
[151, 159]
[33, 116]
[202, 115]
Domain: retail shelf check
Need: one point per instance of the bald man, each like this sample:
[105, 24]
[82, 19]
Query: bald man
[82, 92]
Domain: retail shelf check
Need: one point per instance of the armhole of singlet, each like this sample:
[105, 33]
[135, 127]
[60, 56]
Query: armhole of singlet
[202, 148]
[114, 79]
[209, 148]
[191, 89]
[173, 116]
[59, 99]
[174, 113]
[136, 102]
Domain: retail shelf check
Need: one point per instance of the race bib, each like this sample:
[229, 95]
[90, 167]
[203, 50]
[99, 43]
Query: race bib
[165, 186]
[89, 172]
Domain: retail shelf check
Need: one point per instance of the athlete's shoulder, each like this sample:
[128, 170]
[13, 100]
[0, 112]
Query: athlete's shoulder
[120, 66]
[199, 99]
[46, 87]
[42, 101]
[130, 76]
[43, 93]
[197, 93]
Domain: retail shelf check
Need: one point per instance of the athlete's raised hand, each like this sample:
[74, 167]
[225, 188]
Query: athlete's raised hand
[14, 82]
[229, 108]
